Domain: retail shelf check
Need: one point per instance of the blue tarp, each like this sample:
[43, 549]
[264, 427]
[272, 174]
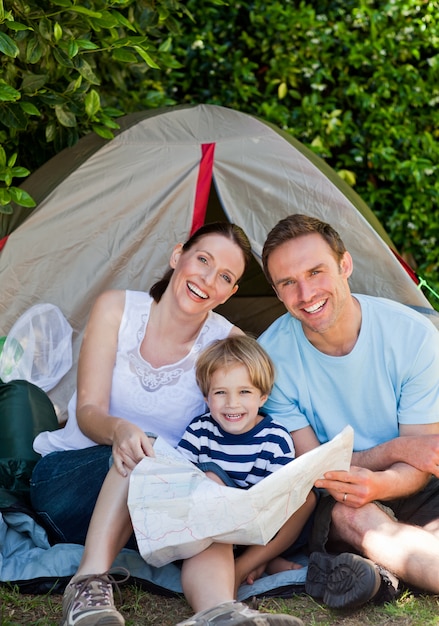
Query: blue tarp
[28, 560]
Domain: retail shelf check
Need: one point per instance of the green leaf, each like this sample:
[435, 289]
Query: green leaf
[45, 28]
[165, 46]
[33, 82]
[62, 58]
[106, 20]
[8, 93]
[112, 112]
[72, 48]
[30, 108]
[130, 41]
[8, 46]
[50, 98]
[85, 44]
[2, 157]
[65, 116]
[20, 172]
[84, 11]
[84, 68]
[34, 50]
[282, 91]
[145, 56]
[17, 26]
[5, 196]
[122, 20]
[102, 131]
[7, 177]
[108, 122]
[74, 85]
[124, 56]
[62, 3]
[92, 103]
[57, 31]
[5, 209]
[22, 198]
[348, 176]
[50, 132]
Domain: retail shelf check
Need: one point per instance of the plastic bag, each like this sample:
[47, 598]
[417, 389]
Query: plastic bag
[38, 348]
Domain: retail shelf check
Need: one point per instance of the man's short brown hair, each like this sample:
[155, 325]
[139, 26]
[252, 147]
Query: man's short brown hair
[298, 225]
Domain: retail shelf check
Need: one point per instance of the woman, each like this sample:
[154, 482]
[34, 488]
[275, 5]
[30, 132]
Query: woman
[136, 375]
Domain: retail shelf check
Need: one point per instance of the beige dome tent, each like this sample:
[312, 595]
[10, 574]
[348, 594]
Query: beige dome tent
[109, 212]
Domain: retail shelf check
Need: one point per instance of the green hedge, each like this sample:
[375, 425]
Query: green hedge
[358, 82]
[69, 68]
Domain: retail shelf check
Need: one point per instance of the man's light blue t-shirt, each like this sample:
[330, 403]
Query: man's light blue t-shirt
[390, 377]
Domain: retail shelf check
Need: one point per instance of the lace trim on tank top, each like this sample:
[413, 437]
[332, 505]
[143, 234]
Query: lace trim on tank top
[152, 378]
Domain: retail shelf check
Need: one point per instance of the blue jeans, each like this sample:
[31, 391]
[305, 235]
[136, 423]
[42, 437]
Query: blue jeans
[64, 488]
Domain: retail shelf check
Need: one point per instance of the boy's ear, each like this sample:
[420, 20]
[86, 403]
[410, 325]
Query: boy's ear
[263, 399]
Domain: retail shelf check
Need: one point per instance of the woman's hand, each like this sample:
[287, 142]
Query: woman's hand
[130, 446]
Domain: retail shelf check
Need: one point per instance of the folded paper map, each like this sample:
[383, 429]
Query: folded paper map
[177, 511]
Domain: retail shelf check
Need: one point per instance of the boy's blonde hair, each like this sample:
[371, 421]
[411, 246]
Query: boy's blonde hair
[229, 351]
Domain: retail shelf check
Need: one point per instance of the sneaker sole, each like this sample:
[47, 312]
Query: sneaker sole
[257, 620]
[344, 581]
[104, 620]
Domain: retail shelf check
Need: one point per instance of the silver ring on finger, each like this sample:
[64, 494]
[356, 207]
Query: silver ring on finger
[345, 497]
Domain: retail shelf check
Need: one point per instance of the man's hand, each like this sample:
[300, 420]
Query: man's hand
[355, 488]
[359, 485]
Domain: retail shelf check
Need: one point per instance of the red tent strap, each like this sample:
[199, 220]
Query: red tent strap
[3, 242]
[420, 282]
[203, 185]
[406, 266]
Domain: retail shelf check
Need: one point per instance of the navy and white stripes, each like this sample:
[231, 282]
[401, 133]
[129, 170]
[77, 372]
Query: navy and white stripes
[247, 457]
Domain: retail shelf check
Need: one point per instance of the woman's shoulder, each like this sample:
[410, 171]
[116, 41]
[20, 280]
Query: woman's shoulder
[109, 303]
[114, 303]
[141, 297]
[216, 321]
[119, 298]
[111, 296]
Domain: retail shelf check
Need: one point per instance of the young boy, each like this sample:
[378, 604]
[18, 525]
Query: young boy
[237, 445]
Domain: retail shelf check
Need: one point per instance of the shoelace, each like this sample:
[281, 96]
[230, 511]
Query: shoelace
[105, 581]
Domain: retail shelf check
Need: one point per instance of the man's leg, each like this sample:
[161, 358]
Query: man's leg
[409, 552]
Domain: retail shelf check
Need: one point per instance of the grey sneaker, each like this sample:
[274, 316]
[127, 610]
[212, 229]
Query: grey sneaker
[348, 580]
[238, 614]
[88, 601]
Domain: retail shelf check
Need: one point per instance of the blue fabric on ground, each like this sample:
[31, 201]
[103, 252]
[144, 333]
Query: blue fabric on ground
[26, 557]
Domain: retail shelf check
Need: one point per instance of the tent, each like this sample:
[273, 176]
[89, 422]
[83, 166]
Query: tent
[107, 216]
[109, 212]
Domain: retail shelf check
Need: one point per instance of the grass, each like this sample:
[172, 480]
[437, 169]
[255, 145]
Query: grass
[141, 608]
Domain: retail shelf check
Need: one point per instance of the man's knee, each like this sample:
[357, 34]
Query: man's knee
[351, 525]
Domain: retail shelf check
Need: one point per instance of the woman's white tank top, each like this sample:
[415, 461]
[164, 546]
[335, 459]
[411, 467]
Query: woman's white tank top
[159, 400]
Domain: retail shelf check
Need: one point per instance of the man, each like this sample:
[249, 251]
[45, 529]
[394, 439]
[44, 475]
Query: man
[374, 364]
